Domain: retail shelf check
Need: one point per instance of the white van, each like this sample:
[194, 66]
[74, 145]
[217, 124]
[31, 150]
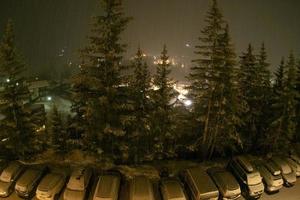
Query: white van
[108, 187]
[248, 177]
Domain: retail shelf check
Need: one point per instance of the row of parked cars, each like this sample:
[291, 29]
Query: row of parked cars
[243, 175]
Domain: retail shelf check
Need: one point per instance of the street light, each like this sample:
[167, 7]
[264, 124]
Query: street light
[49, 98]
[188, 103]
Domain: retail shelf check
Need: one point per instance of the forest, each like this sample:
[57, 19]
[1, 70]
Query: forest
[124, 114]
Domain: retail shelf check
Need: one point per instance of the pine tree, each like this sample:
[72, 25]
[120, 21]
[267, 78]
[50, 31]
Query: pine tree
[163, 114]
[98, 87]
[58, 132]
[140, 89]
[213, 87]
[17, 127]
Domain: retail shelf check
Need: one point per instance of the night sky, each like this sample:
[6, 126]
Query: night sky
[50, 32]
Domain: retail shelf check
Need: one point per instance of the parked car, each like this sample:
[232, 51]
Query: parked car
[78, 184]
[247, 175]
[51, 186]
[199, 184]
[172, 189]
[288, 175]
[294, 165]
[295, 157]
[108, 187]
[141, 188]
[8, 178]
[27, 183]
[271, 175]
[228, 186]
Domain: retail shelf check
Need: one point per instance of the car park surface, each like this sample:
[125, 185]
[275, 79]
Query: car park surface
[286, 193]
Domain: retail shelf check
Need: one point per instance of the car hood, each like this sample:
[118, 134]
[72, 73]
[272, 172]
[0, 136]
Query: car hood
[4, 186]
[291, 177]
[74, 195]
[49, 182]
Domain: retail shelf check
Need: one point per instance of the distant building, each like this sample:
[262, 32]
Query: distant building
[38, 89]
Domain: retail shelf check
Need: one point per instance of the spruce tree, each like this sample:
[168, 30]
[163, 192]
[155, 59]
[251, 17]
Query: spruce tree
[230, 105]
[163, 113]
[101, 90]
[140, 89]
[213, 87]
[17, 127]
[58, 132]
[291, 95]
[276, 129]
[252, 95]
[264, 95]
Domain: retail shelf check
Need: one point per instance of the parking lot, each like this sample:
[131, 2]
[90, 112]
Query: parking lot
[292, 193]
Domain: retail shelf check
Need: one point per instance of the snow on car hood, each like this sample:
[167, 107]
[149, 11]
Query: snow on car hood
[74, 195]
[4, 186]
[49, 182]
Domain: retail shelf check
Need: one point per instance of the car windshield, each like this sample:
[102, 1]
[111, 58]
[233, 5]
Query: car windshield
[254, 178]
[286, 169]
[277, 177]
[76, 183]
